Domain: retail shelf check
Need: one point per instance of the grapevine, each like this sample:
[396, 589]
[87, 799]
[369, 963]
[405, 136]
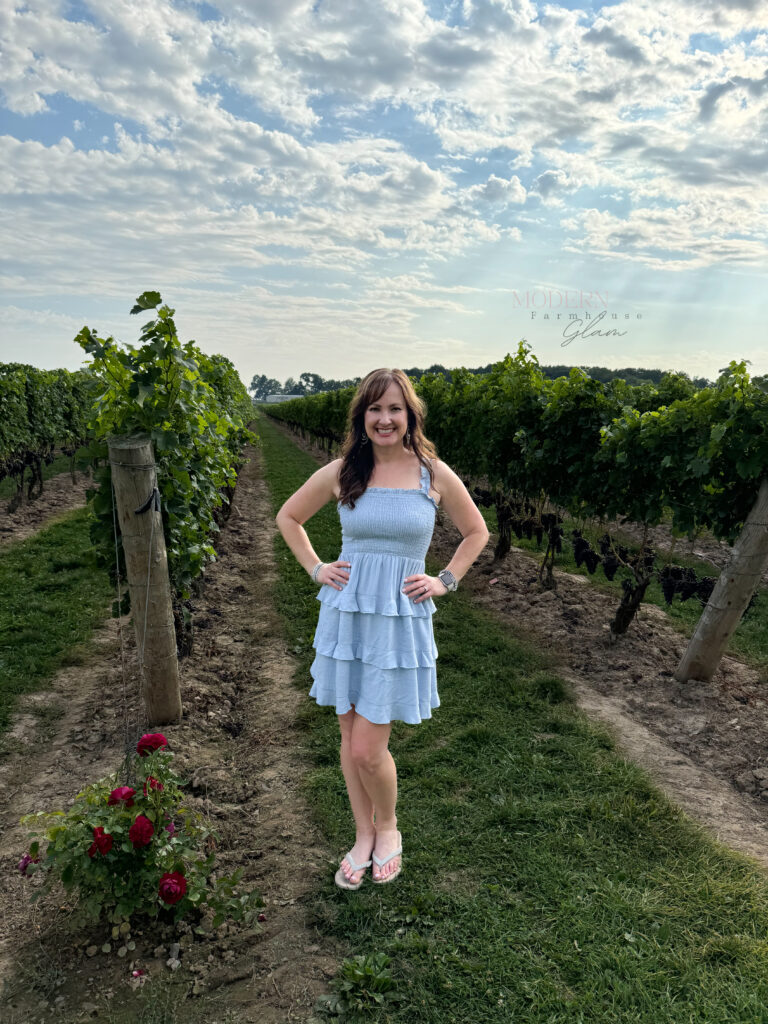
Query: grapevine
[194, 407]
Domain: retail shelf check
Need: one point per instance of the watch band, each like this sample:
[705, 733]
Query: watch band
[448, 579]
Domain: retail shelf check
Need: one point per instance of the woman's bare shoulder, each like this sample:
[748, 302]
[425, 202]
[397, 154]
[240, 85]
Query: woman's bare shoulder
[334, 469]
[446, 479]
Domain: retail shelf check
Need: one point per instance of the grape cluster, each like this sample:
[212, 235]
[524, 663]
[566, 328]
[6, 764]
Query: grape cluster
[551, 523]
[481, 496]
[682, 580]
[523, 522]
[583, 552]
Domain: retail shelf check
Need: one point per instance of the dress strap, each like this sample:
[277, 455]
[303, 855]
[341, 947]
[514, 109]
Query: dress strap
[425, 484]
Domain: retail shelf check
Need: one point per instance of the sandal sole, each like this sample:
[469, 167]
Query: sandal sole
[389, 878]
[342, 883]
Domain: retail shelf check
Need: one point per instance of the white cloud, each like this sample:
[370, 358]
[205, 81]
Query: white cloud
[257, 140]
[498, 190]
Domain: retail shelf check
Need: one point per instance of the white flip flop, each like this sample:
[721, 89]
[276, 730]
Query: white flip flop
[341, 879]
[381, 863]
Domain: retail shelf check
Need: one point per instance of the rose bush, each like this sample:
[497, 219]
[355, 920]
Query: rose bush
[125, 853]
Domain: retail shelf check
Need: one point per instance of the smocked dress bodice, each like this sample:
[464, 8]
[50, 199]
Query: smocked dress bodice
[386, 537]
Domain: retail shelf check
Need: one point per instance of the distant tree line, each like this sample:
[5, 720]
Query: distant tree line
[314, 383]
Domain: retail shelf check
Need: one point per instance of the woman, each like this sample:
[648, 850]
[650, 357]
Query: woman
[375, 648]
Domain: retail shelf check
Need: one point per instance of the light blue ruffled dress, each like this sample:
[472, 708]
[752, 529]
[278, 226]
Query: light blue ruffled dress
[374, 647]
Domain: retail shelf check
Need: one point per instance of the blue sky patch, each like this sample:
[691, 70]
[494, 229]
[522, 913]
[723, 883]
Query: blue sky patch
[86, 126]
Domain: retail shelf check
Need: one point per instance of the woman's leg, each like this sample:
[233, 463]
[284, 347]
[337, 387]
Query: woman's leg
[378, 775]
[362, 806]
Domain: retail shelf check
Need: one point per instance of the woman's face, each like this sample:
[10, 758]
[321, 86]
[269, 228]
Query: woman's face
[388, 411]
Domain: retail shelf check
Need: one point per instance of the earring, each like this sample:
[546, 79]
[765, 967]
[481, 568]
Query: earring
[408, 437]
[364, 439]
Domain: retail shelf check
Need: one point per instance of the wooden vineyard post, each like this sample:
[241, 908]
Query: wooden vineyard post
[737, 582]
[134, 478]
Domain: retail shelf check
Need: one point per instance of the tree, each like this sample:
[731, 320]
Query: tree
[261, 386]
[311, 383]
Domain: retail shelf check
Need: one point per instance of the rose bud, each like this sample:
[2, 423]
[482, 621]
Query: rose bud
[153, 784]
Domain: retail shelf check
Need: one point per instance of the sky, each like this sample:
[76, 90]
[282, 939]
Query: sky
[332, 186]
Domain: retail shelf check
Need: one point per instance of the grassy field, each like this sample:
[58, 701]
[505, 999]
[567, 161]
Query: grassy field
[545, 878]
[52, 597]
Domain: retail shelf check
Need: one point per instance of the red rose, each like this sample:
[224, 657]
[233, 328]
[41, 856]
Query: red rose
[172, 887]
[102, 842]
[141, 831]
[153, 784]
[150, 742]
[121, 793]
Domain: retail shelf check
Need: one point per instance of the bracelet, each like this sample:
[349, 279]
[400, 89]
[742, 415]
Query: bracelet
[316, 570]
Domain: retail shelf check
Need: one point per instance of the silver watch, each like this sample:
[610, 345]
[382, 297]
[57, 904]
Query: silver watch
[448, 579]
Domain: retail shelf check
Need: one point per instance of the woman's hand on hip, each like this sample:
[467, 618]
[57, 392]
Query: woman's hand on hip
[421, 586]
[334, 574]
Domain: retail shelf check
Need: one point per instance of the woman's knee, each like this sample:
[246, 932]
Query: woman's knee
[368, 756]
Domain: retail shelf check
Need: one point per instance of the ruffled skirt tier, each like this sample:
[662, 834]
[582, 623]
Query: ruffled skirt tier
[375, 648]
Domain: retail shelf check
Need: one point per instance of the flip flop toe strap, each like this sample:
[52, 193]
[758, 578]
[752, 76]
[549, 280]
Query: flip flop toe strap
[357, 867]
[386, 860]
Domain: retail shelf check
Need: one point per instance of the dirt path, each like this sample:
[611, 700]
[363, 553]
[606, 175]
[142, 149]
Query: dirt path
[703, 744]
[59, 496]
[239, 744]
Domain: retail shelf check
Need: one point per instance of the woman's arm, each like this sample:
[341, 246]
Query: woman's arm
[464, 514]
[301, 506]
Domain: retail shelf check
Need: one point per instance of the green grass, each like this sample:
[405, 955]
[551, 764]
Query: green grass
[750, 639]
[60, 464]
[545, 878]
[52, 597]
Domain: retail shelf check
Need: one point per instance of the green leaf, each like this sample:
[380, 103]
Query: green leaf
[167, 440]
[698, 466]
[144, 392]
[147, 300]
[717, 431]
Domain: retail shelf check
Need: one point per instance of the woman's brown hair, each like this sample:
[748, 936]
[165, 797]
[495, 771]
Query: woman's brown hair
[357, 464]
